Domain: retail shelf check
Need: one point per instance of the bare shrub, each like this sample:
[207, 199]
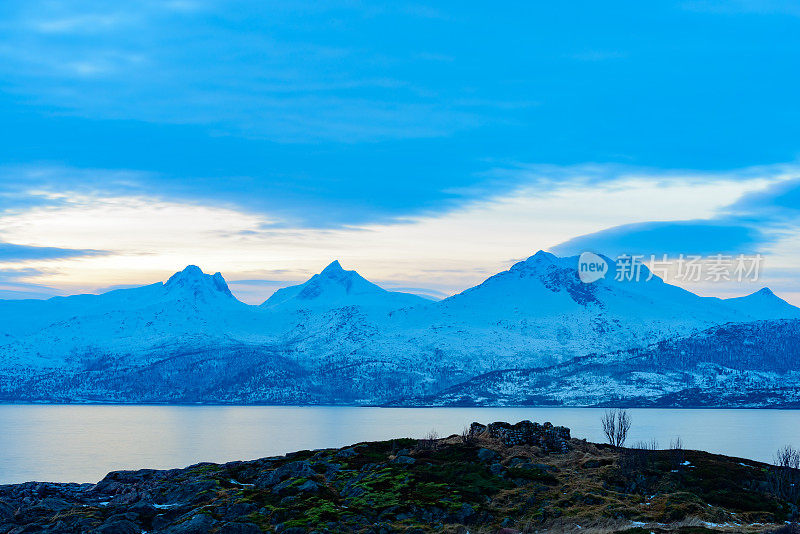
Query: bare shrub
[639, 457]
[651, 445]
[466, 436]
[429, 442]
[623, 426]
[616, 424]
[785, 474]
[788, 458]
[676, 453]
[609, 422]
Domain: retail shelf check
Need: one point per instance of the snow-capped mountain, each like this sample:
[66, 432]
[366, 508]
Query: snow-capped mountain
[545, 285]
[538, 312]
[338, 338]
[335, 288]
[763, 304]
[191, 308]
[737, 364]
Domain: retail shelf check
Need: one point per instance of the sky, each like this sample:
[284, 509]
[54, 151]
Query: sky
[427, 145]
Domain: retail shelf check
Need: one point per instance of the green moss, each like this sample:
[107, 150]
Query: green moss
[261, 521]
[472, 481]
[208, 470]
[429, 492]
[316, 512]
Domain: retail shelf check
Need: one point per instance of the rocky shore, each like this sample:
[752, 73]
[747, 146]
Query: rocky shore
[496, 478]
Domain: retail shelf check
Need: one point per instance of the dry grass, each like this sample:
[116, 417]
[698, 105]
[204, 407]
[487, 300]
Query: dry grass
[583, 502]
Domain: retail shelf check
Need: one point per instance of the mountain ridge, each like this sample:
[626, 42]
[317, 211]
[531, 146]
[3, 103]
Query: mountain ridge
[337, 338]
[334, 287]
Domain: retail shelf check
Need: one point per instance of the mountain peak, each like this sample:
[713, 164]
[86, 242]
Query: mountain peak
[542, 257]
[541, 254]
[540, 260]
[337, 287]
[333, 267]
[765, 292]
[190, 272]
[192, 277]
[764, 304]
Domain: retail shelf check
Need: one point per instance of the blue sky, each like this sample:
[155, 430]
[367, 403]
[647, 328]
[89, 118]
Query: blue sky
[286, 132]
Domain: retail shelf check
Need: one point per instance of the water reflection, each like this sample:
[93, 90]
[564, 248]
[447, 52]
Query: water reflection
[83, 443]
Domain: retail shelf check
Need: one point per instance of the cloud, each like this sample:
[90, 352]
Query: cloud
[260, 136]
[12, 285]
[13, 275]
[313, 113]
[698, 237]
[442, 250]
[778, 204]
[101, 62]
[764, 220]
[82, 24]
[52, 185]
[27, 291]
[426, 292]
[10, 252]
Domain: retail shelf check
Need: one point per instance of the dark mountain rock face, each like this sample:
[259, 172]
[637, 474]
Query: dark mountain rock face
[745, 365]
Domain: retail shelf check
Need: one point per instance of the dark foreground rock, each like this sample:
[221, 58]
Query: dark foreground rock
[496, 478]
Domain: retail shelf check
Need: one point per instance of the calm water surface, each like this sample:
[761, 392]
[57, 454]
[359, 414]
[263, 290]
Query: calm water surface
[83, 443]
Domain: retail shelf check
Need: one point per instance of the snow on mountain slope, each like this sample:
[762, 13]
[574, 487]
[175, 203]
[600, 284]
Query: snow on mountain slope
[763, 304]
[191, 308]
[334, 288]
[545, 285]
[337, 337]
[21, 317]
[737, 364]
[539, 313]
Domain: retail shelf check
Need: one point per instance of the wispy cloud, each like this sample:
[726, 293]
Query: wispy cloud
[277, 135]
[779, 204]
[14, 286]
[10, 252]
[243, 81]
[444, 251]
[698, 237]
[87, 23]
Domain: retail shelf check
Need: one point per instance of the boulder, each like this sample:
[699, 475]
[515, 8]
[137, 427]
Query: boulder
[496, 469]
[309, 486]
[198, 524]
[287, 470]
[465, 513]
[116, 525]
[6, 512]
[239, 509]
[347, 453]
[485, 455]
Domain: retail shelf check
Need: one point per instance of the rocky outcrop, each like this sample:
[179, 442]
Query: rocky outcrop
[547, 437]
